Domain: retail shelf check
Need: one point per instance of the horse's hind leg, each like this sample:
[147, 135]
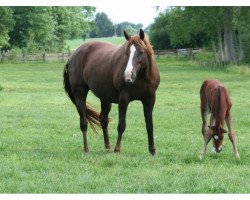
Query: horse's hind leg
[204, 108]
[80, 94]
[105, 109]
[204, 112]
[231, 134]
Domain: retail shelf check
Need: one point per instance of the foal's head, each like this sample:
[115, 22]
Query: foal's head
[139, 54]
[218, 136]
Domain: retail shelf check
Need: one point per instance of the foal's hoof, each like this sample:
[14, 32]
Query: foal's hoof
[237, 156]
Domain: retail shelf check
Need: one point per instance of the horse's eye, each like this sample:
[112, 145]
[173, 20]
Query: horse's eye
[140, 52]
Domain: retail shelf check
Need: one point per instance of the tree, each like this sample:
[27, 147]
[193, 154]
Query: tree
[131, 28]
[71, 23]
[221, 28]
[6, 25]
[104, 26]
[33, 28]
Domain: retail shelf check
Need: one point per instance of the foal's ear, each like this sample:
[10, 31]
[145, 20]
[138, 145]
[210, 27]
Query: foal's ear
[212, 127]
[142, 35]
[127, 36]
[223, 130]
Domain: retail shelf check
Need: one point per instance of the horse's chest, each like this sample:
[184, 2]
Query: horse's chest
[139, 91]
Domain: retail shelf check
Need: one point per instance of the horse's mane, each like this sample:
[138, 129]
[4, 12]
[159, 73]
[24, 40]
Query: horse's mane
[145, 44]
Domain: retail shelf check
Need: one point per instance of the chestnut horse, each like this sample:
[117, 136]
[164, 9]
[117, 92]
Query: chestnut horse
[115, 74]
[215, 100]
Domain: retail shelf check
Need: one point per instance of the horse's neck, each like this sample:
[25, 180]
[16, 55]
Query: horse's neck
[220, 107]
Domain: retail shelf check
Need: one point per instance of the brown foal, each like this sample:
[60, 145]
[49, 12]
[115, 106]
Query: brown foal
[215, 100]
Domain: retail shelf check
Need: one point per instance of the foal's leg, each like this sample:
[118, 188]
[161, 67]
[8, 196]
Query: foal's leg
[231, 134]
[148, 105]
[204, 112]
[207, 138]
[105, 109]
[80, 94]
[123, 105]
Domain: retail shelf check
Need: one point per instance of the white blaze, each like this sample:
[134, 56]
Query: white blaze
[129, 68]
[216, 137]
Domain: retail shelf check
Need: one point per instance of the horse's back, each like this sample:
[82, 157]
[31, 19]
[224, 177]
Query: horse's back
[96, 63]
[209, 90]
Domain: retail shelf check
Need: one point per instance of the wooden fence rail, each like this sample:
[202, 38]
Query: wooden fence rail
[6, 56]
[178, 52]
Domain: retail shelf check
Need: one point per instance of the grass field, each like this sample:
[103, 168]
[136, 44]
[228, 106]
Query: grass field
[74, 44]
[41, 143]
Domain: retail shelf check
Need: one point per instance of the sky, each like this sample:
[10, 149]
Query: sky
[137, 14]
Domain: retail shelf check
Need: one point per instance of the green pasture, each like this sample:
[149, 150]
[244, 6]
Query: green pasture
[41, 142]
[74, 44]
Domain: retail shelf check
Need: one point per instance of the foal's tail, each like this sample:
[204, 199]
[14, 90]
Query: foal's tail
[93, 117]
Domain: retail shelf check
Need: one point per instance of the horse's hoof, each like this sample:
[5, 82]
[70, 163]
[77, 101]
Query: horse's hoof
[108, 147]
[237, 156]
[85, 150]
[152, 152]
[116, 150]
[200, 157]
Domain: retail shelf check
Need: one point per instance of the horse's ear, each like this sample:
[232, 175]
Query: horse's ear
[142, 35]
[127, 36]
[223, 130]
[212, 127]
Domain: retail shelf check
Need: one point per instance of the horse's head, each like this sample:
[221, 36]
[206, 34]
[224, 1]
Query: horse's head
[218, 136]
[138, 52]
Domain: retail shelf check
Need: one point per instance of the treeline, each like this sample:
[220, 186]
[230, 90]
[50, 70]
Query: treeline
[43, 29]
[104, 27]
[223, 29]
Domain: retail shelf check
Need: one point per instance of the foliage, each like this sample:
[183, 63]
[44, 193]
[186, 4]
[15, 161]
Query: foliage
[6, 25]
[47, 28]
[224, 29]
[131, 28]
[41, 142]
[104, 26]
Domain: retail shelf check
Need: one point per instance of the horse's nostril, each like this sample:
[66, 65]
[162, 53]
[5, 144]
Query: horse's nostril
[128, 80]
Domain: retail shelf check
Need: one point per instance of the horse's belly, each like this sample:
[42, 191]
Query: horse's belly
[105, 92]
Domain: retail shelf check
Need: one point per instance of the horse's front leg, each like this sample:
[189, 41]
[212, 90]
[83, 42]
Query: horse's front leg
[122, 106]
[207, 138]
[148, 105]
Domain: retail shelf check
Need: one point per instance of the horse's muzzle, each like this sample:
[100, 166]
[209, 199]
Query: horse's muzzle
[219, 149]
[131, 79]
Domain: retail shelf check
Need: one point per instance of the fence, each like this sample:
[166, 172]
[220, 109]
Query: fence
[7, 56]
[214, 64]
[179, 52]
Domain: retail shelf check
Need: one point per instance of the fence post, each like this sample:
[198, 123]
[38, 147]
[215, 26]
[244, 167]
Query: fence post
[23, 56]
[44, 57]
[2, 59]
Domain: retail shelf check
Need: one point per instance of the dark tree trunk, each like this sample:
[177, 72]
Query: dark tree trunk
[229, 47]
[221, 50]
[214, 51]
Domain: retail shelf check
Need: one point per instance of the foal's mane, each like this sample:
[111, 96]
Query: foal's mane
[145, 44]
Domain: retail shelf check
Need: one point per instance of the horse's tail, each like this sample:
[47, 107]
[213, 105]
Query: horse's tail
[93, 117]
[66, 83]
